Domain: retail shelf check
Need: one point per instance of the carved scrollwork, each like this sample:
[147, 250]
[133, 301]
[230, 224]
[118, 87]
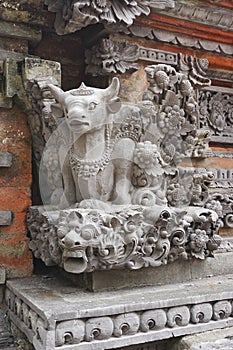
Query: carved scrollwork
[73, 16]
[98, 328]
[126, 324]
[178, 316]
[201, 313]
[89, 239]
[69, 332]
[153, 320]
[221, 310]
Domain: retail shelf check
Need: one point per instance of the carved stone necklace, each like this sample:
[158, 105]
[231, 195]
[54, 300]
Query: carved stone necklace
[87, 168]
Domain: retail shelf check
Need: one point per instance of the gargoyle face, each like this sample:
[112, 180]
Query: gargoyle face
[74, 239]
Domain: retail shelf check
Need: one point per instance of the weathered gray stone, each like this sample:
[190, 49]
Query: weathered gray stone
[5, 217]
[219, 339]
[221, 264]
[5, 334]
[2, 275]
[49, 311]
[22, 31]
[5, 159]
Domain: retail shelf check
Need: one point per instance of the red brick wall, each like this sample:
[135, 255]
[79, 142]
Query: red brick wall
[15, 193]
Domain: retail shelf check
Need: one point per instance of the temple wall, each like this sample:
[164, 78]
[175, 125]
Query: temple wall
[26, 28]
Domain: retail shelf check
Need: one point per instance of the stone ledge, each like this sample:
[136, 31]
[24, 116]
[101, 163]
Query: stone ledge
[211, 340]
[56, 315]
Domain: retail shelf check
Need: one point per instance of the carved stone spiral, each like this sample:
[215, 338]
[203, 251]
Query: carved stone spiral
[201, 313]
[70, 332]
[144, 197]
[153, 320]
[126, 324]
[178, 316]
[99, 328]
[221, 310]
[229, 220]
[178, 236]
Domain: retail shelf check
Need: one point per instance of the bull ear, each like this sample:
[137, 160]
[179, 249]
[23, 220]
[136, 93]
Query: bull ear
[114, 105]
[113, 101]
[113, 89]
[57, 93]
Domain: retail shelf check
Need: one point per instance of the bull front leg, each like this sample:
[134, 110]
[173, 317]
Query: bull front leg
[123, 168]
[69, 195]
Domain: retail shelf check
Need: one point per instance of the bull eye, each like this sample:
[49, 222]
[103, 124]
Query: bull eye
[92, 106]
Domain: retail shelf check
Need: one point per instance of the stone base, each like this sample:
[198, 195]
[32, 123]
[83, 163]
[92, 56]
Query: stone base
[54, 314]
[177, 272]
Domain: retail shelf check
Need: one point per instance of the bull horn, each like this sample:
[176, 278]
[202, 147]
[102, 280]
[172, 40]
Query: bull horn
[113, 88]
[57, 92]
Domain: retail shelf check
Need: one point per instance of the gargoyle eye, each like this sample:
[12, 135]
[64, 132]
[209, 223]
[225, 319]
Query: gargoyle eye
[92, 106]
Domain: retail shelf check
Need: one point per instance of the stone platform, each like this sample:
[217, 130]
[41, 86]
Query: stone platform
[54, 314]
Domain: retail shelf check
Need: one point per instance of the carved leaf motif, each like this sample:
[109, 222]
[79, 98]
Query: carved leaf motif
[81, 13]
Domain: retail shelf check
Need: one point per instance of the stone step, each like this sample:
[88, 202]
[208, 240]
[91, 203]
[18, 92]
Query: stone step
[53, 313]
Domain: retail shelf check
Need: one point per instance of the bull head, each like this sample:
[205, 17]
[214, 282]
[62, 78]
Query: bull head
[86, 108]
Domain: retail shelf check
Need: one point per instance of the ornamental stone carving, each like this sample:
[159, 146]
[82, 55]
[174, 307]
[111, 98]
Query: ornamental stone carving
[109, 319]
[110, 177]
[167, 36]
[215, 113]
[74, 15]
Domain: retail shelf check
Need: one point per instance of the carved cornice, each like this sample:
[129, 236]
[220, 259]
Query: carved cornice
[173, 37]
[214, 14]
[72, 16]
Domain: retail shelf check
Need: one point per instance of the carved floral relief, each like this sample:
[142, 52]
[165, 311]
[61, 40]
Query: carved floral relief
[215, 113]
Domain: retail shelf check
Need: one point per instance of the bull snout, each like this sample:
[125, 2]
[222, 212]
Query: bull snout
[77, 118]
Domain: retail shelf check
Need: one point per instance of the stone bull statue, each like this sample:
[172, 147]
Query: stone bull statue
[97, 169]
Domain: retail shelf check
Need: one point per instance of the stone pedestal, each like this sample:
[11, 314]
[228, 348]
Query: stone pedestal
[56, 315]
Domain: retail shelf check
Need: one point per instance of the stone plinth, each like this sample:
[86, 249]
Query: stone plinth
[56, 315]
